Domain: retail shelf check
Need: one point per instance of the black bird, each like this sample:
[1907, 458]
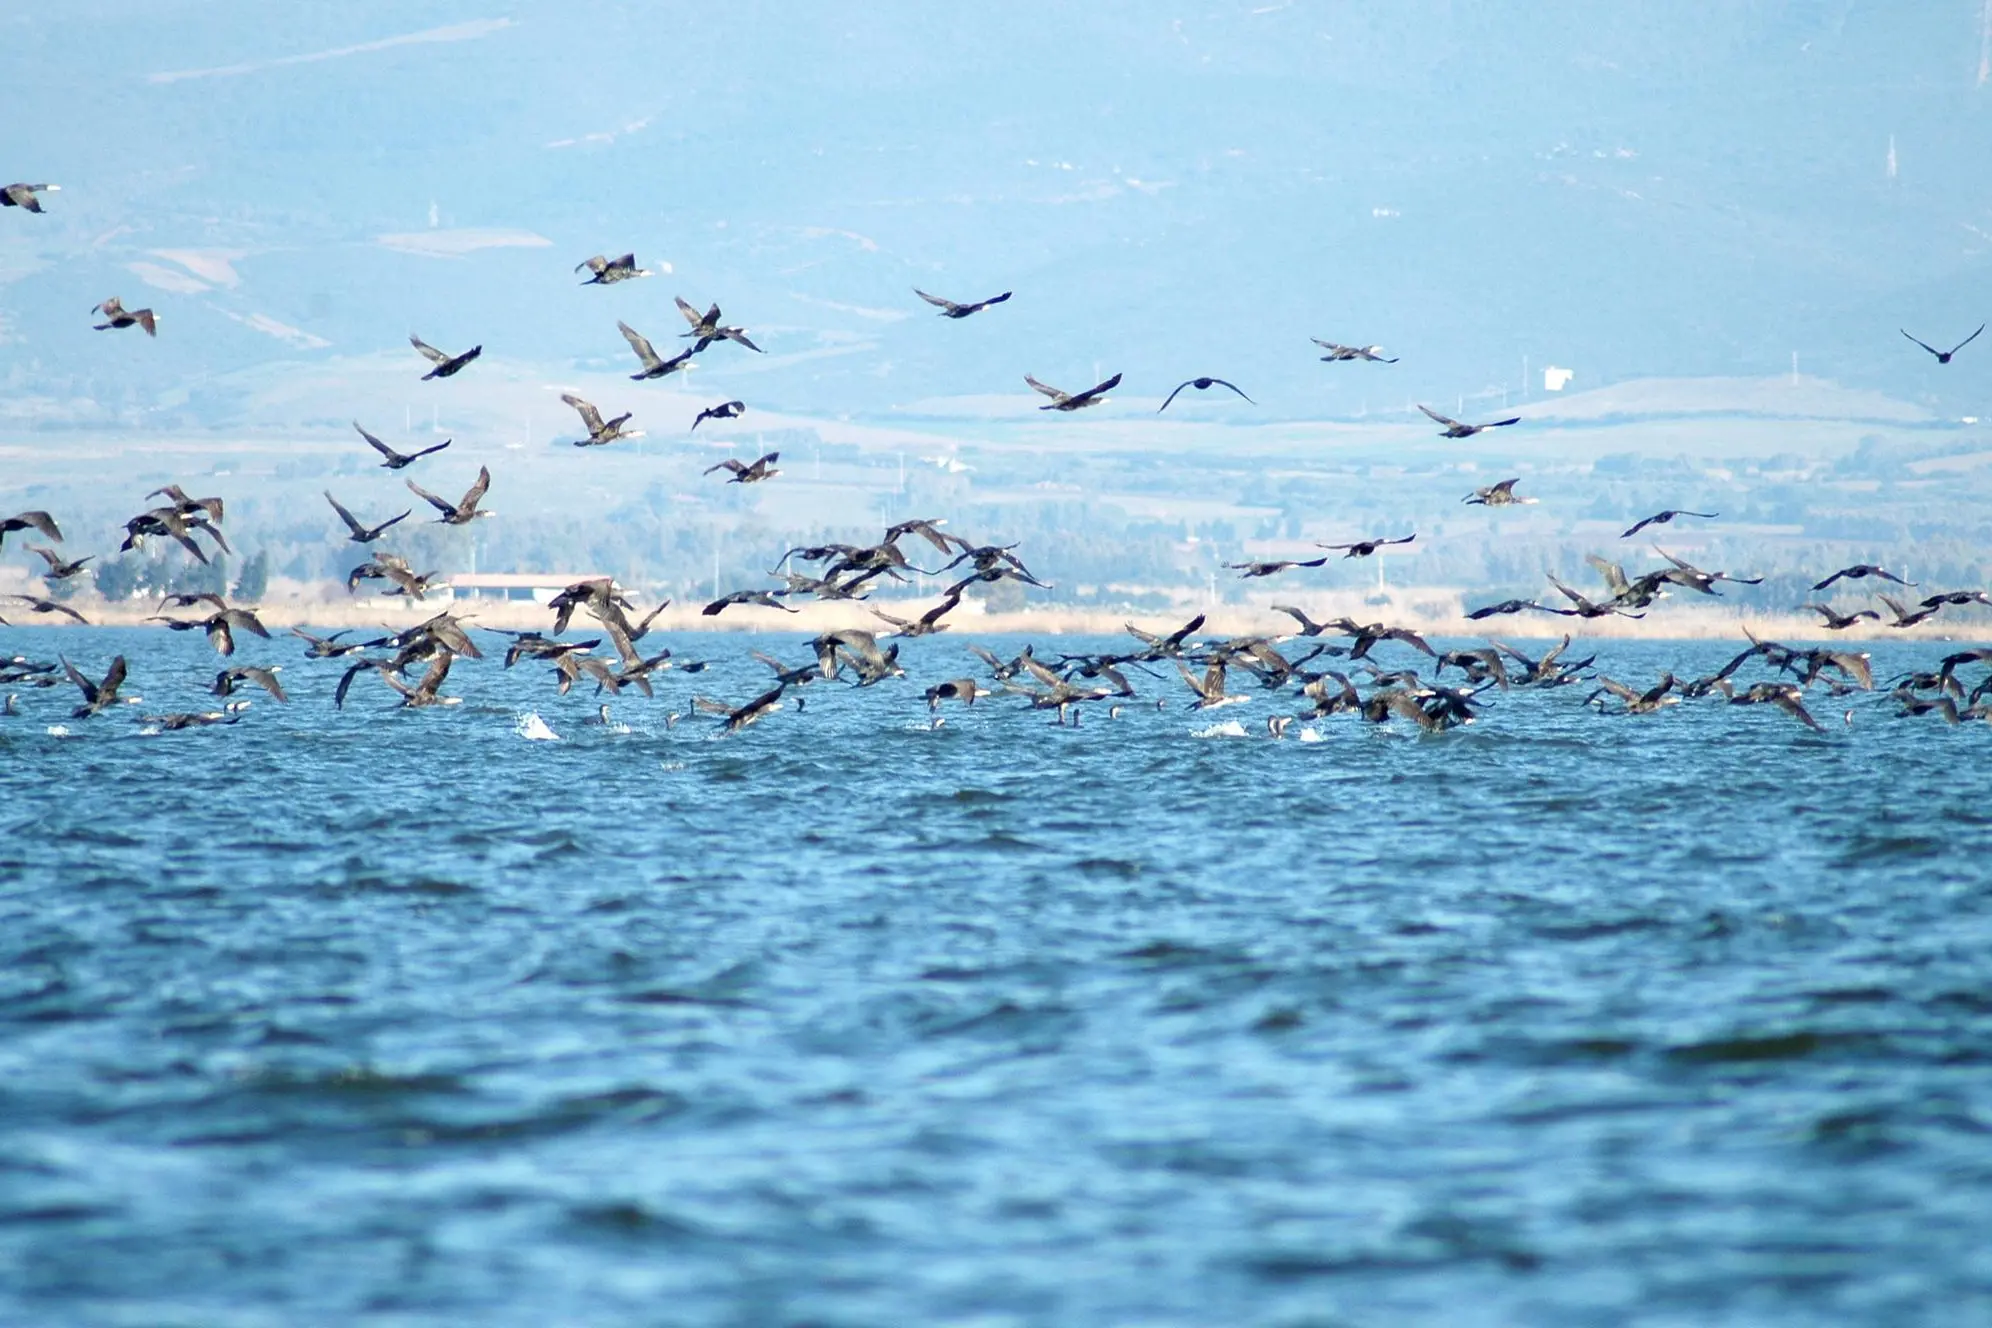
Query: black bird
[965, 690]
[1637, 703]
[23, 195]
[1497, 495]
[326, 647]
[764, 598]
[1248, 570]
[1506, 606]
[59, 568]
[739, 717]
[1905, 616]
[705, 326]
[725, 410]
[608, 271]
[1956, 597]
[228, 679]
[1944, 356]
[927, 623]
[187, 506]
[179, 721]
[41, 521]
[1364, 548]
[949, 309]
[1662, 518]
[219, 626]
[1338, 354]
[654, 365]
[360, 532]
[1860, 571]
[600, 432]
[38, 605]
[446, 365]
[744, 473]
[397, 460]
[97, 696]
[1454, 429]
[458, 513]
[1787, 697]
[1200, 384]
[1584, 608]
[170, 521]
[1163, 647]
[1840, 622]
[117, 316]
[1061, 400]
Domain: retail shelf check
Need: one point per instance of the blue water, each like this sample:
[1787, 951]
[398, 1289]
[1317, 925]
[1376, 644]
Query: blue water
[400, 1018]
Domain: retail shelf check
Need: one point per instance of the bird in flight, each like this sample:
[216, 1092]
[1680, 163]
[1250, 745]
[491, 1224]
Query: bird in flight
[23, 195]
[1248, 570]
[41, 521]
[1497, 495]
[1944, 356]
[446, 365]
[654, 366]
[600, 432]
[397, 460]
[1840, 622]
[949, 309]
[725, 410]
[1338, 354]
[1662, 518]
[1364, 548]
[361, 533]
[1454, 429]
[117, 316]
[1861, 571]
[608, 271]
[763, 468]
[458, 513]
[1200, 384]
[1060, 400]
[705, 326]
[59, 568]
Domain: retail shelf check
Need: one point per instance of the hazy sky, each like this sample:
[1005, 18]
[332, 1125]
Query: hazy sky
[1628, 190]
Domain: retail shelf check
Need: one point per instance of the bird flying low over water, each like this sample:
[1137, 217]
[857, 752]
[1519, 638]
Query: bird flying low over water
[59, 568]
[1338, 354]
[1200, 384]
[97, 696]
[600, 432]
[36, 604]
[1840, 622]
[949, 309]
[1061, 400]
[1860, 571]
[608, 271]
[397, 460]
[765, 599]
[458, 513]
[654, 365]
[23, 195]
[705, 326]
[761, 469]
[1454, 429]
[1944, 356]
[1364, 548]
[725, 410]
[117, 316]
[1497, 495]
[1662, 518]
[446, 365]
[361, 533]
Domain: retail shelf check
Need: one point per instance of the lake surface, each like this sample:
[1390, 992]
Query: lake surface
[404, 1018]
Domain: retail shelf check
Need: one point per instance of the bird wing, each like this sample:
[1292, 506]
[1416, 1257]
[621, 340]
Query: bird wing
[1830, 580]
[441, 505]
[1057, 395]
[376, 444]
[1172, 396]
[1234, 387]
[691, 314]
[41, 521]
[352, 522]
[1968, 340]
[1924, 344]
[1618, 689]
[1638, 526]
[477, 490]
[936, 300]
[734, 334]
[595, 264]
[428, 351]
[1502, 424]
[589, 415]
[728, 464]
[1446, 420]
[1097, 388]
[641, 345]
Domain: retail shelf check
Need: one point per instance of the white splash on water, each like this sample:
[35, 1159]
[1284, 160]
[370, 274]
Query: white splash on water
[1230, 728]
[533, 729]
[1311, 735]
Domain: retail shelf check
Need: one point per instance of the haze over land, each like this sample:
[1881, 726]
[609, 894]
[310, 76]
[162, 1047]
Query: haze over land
[1670, 209]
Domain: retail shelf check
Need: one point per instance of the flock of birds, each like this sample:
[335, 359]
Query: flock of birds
[415, 663]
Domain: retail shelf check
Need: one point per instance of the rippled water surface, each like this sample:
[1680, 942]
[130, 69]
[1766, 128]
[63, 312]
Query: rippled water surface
[406, 1018]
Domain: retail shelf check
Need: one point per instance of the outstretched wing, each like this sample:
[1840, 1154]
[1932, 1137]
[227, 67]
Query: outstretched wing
[1446, 420]
[428, 351]
[641, 345]
[589, 415]
[376, 444]
[691, 315]
[729, 464]
[1057, 395]
[1172, 395]
[1096, 389]
[1967, 341]
[1638, 526]
[352, 522]
[1924, 344]
[935, 300]
[476, 492]
[441, 505]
